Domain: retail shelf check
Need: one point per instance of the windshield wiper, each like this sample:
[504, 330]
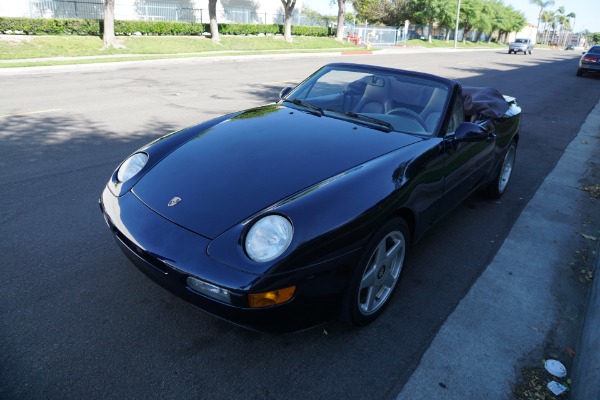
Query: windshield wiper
[380, 124]
[312, 107]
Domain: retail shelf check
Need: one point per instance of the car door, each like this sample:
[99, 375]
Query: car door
[466, 163]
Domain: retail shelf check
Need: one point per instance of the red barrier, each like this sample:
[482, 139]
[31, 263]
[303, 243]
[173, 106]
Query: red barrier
[353, 38]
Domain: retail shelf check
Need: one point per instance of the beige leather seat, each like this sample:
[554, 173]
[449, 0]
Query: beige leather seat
[377, 99]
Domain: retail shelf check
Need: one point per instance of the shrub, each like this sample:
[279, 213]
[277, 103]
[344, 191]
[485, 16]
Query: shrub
[249, 29]
[51, 26]
[71, 26]
[319, 31]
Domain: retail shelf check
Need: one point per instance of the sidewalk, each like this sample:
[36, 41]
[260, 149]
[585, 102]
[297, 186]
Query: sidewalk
[247, 53]
[480, 350]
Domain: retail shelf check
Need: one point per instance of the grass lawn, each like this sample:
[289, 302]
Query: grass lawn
[23, 47]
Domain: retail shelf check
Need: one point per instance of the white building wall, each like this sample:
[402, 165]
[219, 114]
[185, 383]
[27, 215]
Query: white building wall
[262, 11]
[14, 8]
[529, 32]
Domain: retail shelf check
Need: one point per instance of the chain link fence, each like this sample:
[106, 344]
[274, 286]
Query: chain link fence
[389, 36]
[184, 11]
[153, 10]
[87, 9]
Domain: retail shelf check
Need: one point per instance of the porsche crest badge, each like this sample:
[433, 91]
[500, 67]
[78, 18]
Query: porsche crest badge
[174, 201]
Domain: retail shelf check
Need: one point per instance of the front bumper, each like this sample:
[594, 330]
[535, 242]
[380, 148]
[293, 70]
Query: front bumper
[518, 49]
[169, 254]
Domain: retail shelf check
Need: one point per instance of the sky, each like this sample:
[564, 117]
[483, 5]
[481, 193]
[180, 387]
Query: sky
[587, 11]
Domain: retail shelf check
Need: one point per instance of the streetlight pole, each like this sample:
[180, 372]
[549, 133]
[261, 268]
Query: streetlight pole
[456, 27]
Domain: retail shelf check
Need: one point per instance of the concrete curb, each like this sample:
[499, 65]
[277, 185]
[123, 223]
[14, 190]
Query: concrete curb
[586, 364]
[478, 351]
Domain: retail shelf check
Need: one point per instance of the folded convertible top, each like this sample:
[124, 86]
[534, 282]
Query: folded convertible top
[485, 101]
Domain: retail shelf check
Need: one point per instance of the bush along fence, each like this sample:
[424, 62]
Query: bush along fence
[94, 27]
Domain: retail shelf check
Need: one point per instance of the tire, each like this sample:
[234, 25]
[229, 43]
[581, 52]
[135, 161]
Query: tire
[500, 182]
[377, 273]
[579, 72]
[510, 52]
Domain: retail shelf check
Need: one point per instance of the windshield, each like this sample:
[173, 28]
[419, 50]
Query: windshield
[521, 41]
[395, 101]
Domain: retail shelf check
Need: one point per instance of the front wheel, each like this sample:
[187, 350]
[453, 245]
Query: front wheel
[377, 273]
[500, 182]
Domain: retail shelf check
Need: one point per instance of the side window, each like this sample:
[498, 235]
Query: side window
[458, 115]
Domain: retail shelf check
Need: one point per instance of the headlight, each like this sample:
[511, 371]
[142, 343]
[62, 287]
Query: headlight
[132, 166]
[268, 238]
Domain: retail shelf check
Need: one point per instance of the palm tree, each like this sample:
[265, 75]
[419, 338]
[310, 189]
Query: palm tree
[542, 5]
[549, 18]
[571, 27]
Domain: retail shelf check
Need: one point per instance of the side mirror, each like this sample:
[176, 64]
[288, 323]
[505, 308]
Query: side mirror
[284, 92]
[470, 132]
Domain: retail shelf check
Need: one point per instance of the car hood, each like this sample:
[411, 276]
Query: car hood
[251, 161]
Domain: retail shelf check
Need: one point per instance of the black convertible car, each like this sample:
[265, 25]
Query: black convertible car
[283, 216]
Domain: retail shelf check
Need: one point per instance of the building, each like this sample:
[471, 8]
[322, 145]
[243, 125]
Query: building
[228, 11]
[528, 32]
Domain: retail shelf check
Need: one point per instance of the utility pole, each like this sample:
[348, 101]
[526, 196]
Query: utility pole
[456, 27]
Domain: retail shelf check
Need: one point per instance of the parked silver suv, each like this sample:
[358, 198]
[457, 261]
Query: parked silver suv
[524, 45]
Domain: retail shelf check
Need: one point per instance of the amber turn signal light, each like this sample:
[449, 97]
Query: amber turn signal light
[266, 299]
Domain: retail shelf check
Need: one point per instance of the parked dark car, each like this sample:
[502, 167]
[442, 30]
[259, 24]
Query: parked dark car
[284, 216]
[589, 61]
[521, 45]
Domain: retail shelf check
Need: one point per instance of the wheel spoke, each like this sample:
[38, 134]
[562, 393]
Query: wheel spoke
[371, 296]
[394, 251]
[369, 277]
[381, 256]
[390, 277]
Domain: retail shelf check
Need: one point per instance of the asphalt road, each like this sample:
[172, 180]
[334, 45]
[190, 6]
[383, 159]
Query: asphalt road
[77, 320]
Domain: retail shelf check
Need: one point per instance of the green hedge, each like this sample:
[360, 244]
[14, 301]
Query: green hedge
[249, 29]
[320, 31]
[51, 26]
[169, 28]
[69, 26]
